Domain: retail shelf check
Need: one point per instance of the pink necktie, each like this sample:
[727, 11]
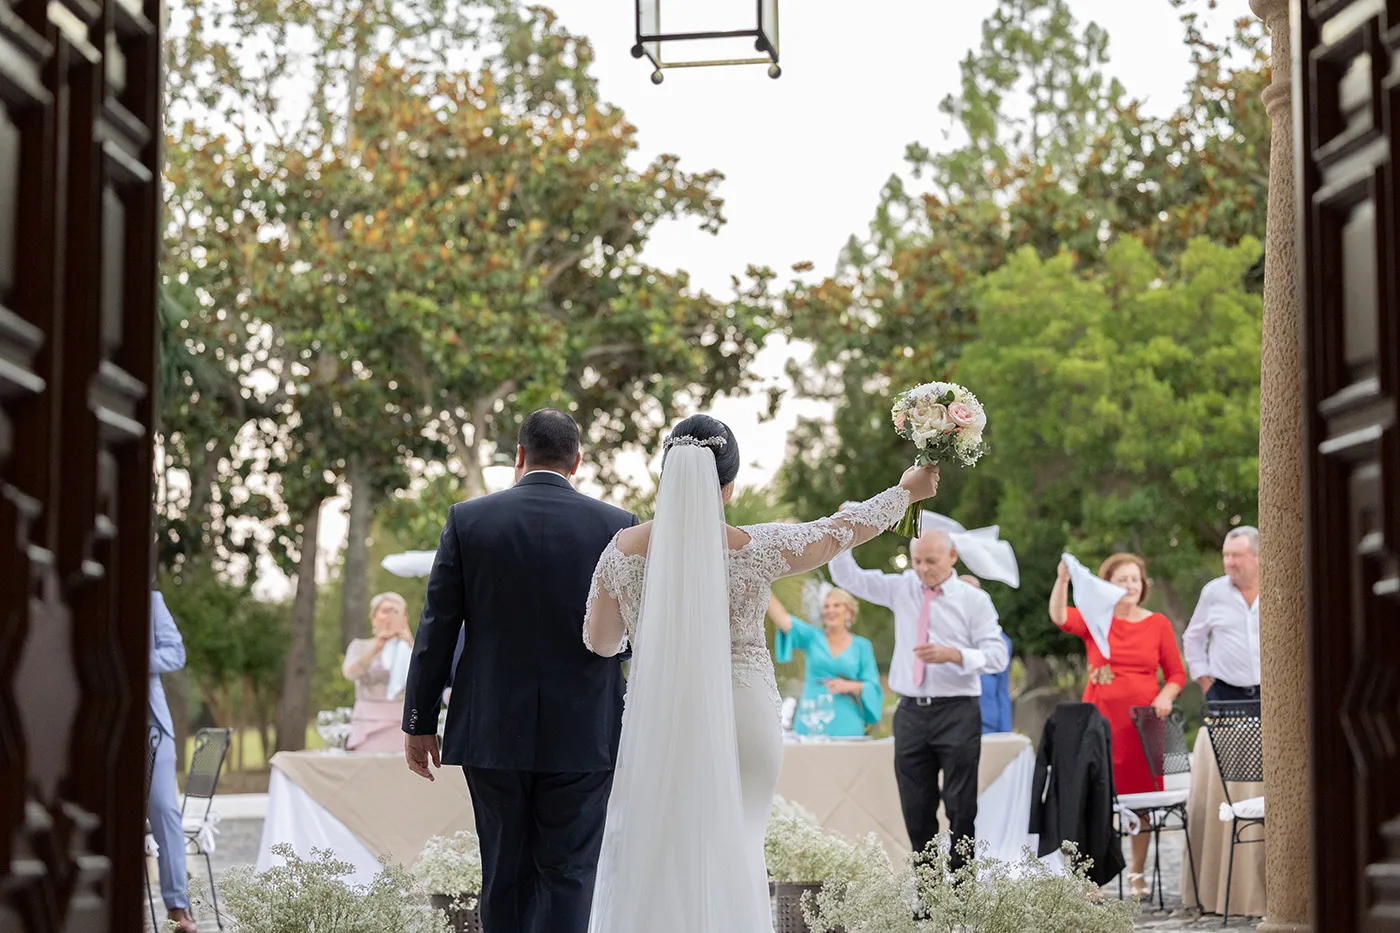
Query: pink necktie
[922, 638]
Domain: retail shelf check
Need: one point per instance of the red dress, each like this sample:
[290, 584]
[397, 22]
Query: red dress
[1128, 679]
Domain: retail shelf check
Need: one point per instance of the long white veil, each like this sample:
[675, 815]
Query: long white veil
[673, 858]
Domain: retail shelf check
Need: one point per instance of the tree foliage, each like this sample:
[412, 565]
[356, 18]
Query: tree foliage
[444, 236]
[1049, 155]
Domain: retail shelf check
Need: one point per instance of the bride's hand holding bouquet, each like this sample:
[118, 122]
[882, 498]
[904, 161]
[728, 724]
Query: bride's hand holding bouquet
[945, 421]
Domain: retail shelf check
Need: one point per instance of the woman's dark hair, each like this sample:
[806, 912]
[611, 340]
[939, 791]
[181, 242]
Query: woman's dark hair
[550, 439]
[703, 427]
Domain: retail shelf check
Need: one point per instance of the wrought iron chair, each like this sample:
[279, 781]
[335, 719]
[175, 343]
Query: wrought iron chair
[152, 745]
[1164, 744]
[210, 750]
[1237, 737]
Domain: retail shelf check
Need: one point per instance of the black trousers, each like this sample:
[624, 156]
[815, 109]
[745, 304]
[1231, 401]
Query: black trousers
[1221, 691]
[540, 834]
[944, 734]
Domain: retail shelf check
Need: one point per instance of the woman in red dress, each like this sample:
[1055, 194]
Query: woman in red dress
[1140, 642]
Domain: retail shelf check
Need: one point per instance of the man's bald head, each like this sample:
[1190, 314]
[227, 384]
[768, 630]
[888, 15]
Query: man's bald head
[933, 557]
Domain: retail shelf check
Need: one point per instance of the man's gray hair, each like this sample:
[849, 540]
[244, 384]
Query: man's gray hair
[1249, 532]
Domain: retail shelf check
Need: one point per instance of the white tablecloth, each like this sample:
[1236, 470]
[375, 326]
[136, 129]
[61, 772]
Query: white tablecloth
[849, 786]
[294, 817]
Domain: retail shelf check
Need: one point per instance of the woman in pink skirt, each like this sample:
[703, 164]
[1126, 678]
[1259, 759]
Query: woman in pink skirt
[379, 668]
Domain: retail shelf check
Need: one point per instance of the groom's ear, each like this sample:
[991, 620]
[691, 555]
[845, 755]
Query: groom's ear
[577, 461]
[519, 457]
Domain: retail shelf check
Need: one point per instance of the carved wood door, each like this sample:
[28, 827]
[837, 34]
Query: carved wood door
[1348, 66]
[80, 147]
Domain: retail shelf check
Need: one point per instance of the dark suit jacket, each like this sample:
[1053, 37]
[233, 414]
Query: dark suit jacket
[1072, 800]
[512, 573]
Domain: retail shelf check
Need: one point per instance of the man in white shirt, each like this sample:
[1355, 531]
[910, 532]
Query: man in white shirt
[946, 637]
[1222, 641]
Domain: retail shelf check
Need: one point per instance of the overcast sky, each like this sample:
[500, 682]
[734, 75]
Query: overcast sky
[805, 156]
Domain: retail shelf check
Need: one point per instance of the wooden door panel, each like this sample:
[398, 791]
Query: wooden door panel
[1348, 63]
[79, 164]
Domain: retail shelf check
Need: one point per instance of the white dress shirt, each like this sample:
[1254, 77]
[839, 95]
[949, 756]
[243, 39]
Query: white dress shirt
[1222, 641]
[963, 617]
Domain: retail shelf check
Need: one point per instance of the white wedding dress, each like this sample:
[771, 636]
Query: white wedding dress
[701, 745]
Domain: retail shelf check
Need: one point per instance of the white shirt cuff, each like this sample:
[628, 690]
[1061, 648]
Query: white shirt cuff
[973, 660]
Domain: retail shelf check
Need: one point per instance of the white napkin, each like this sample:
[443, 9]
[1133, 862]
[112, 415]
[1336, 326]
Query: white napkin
[396, 655]
[409, 563]
[814, 594]
[1095, 599]
[981, 549]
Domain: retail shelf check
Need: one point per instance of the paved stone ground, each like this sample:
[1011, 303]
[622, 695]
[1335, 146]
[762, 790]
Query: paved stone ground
[238, 841]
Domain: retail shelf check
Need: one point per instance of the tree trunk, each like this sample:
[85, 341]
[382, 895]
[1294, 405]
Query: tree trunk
[354, 579]
[294, 708]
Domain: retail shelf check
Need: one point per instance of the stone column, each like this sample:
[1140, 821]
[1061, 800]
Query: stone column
[1282, 607]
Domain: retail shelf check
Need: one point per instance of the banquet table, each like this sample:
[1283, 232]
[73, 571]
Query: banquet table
[363, 806]
[850, 787]
[1210, 842]
[359, 806]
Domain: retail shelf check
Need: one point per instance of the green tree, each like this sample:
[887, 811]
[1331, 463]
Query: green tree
[1049, 155]
[234, 647]
[1125, 411]
[431, 249]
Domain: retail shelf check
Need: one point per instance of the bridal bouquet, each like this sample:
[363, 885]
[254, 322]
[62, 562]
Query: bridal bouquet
[945, 421]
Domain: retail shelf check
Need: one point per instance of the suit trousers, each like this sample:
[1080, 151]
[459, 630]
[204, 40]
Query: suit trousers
[167, 826]
[932, 736]
[541, 834]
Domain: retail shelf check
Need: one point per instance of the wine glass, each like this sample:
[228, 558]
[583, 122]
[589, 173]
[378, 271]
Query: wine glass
[807, 713]
[325, 725]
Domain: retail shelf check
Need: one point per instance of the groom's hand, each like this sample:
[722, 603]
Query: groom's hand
[418, 751]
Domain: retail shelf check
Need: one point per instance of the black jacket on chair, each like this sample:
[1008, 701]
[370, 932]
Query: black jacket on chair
[512, 575]
[1073, 797]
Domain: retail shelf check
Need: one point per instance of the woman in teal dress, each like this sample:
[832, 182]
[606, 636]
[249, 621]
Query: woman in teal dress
[838, 663]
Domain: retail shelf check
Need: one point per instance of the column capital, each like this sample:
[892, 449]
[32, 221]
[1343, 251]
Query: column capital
[1278, 96]
[1269, 10]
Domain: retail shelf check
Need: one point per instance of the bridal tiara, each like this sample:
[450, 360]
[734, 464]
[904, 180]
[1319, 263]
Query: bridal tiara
[686, 440]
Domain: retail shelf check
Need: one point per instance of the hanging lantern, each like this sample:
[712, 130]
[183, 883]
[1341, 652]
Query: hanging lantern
[651, 40]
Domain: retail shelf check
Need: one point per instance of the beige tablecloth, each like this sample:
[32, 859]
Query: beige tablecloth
[850, 786]
[1210, 841]
[392, 810]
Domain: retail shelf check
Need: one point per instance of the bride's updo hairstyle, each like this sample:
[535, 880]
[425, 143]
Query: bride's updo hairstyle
[702, 428]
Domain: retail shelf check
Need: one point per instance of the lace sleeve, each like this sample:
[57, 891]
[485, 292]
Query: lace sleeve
[799, 548]
[604, 630]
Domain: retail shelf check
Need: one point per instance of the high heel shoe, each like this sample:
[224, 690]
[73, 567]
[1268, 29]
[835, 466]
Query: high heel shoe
[1138, 885]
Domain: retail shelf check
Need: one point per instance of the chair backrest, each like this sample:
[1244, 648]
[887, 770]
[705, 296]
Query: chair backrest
[210, 750]
[1236, 733]
[1163, 742]
[152, 746]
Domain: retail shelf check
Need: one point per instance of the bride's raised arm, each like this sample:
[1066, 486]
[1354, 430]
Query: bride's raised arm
[805, 547]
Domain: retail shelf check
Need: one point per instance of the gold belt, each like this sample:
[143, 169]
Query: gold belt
[1101, 675]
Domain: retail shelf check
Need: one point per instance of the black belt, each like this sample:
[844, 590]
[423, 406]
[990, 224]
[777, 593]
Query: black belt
[929, 701]
[1252, 691]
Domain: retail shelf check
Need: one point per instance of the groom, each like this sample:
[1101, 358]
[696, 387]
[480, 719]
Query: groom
[534, 717]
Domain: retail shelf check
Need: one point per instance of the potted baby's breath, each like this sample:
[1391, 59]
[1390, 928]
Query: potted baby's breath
[802, 856]
[985, 895]
[449, 871]
[300, 895]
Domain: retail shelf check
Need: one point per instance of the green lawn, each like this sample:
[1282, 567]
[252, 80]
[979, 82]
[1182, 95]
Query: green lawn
[254, 755]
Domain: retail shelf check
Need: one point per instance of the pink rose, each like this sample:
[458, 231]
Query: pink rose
[899, 421]
[962, 414]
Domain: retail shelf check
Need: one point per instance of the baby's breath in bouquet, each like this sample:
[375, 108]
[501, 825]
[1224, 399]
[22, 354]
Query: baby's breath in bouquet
[945, 421]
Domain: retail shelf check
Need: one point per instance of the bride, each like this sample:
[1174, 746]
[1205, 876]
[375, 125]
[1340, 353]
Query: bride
[701, 747]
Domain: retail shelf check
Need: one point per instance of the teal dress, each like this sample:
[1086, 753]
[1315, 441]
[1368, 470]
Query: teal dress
[857, 662]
